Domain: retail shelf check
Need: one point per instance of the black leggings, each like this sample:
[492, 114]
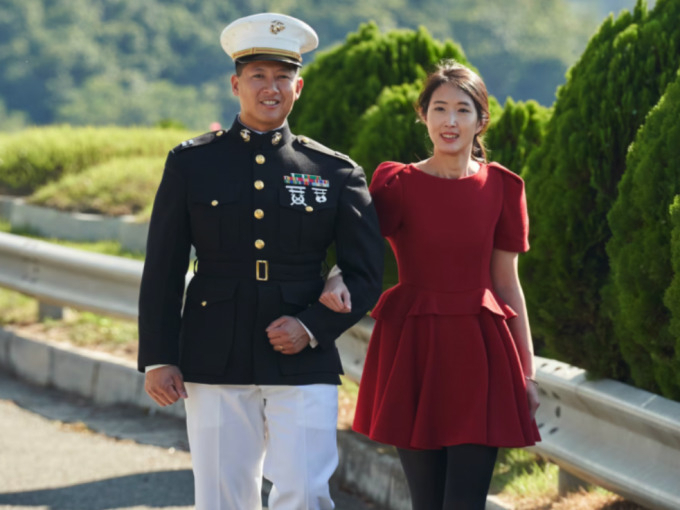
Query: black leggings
[452, 478]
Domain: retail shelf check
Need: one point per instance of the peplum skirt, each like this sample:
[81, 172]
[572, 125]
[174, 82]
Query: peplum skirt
[442, 369]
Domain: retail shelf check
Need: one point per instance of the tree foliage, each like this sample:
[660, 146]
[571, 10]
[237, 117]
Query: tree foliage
[672, 295]
[516, 133]
[640, 249]
[360, 69]
[121, 55]
[572, 178]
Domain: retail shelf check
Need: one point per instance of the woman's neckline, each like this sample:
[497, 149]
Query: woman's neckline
[482, 168]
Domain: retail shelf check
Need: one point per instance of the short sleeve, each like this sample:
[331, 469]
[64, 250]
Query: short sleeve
[386, 191]
[512, 229]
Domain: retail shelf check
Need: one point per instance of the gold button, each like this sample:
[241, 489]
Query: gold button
[259, 159]
[259, 244]
[304, 139]
[258, 184]
[219, 133]
[204, 303]
[214, 203]
[309, 208]
[259, 214]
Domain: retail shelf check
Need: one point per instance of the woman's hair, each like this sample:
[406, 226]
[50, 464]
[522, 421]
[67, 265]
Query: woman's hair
[453, 73]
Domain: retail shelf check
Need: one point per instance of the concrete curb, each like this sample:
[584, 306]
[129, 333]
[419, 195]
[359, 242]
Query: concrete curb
[50, 222]
[365, 467]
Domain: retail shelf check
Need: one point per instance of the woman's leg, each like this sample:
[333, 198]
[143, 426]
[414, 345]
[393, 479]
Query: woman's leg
[426, 474]
[468, 475]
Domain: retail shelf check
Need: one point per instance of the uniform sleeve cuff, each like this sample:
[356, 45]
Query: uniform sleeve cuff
[313, 343]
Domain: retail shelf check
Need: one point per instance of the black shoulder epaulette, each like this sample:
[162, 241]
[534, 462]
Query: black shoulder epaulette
[203, 139]
[314, 145]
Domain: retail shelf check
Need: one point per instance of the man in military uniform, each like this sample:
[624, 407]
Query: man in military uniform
[253, 351]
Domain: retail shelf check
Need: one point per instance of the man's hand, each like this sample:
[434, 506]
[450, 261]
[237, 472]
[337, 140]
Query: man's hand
[287, 335]
[165, 385]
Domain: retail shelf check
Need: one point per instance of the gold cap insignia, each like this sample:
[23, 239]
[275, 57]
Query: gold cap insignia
[276, 27]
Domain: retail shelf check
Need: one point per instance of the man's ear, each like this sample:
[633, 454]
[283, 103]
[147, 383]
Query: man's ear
[298, 86]
[234, 84]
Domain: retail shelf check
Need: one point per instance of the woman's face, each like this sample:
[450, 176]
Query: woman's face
[452, 120]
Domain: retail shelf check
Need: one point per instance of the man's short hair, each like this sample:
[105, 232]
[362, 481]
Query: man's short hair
[241, 65]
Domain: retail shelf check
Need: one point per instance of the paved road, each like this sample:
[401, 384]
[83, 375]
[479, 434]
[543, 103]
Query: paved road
[59, 452]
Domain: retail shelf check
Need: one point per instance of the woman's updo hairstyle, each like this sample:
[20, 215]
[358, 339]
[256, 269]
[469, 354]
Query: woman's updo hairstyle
[453, 73]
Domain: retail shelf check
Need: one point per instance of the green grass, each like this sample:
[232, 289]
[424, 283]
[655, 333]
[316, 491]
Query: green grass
[120, 186]
[36, 156]
[15, 308]
[86, 329]
[520, 473]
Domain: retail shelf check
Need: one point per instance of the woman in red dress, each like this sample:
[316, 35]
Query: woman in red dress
[448, 377]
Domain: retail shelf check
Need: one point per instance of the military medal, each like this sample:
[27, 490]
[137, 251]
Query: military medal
[297, 185]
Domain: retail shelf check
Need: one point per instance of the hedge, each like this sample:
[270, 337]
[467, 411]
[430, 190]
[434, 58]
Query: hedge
[35, 156]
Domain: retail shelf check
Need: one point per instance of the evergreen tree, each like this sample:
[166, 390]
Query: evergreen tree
[672, 296]
[389, 130]
[572, 178]
[640, 248]
[342, 83]
[514, 135]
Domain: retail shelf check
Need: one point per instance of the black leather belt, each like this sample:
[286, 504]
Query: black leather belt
[261, 270]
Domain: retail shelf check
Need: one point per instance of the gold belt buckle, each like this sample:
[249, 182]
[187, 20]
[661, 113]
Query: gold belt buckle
[258, 270]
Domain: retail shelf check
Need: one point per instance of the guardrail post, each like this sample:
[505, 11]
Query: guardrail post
[48, 311]
[568, 483]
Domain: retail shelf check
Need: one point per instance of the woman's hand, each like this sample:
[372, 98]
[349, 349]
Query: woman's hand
[335, 295]
[532, 397]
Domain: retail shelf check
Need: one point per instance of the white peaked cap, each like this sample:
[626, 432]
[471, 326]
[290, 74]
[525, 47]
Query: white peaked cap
[268, 36]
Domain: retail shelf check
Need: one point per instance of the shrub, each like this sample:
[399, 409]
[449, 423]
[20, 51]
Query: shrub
[117, 187]
[35, 156]
[572, 178]
[514, 135]
[640, 248]
[345, 81]
[672, 296]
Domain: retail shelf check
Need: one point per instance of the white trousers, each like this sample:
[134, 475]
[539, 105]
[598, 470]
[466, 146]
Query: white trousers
[237, 434]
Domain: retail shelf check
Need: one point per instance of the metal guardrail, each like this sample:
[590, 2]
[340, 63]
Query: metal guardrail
[604, 432]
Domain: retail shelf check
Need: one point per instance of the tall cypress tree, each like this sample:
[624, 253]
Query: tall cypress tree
[572, 179]
[516, 133]
[640, 248]
[672, 296]
[344, 82]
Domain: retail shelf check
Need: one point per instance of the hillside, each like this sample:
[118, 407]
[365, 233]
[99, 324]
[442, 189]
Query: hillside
[127, 62]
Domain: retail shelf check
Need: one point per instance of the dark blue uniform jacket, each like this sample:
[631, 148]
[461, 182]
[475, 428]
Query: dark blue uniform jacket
[261, 211]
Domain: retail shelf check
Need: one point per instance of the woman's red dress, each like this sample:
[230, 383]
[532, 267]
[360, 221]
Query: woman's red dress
[442, 367]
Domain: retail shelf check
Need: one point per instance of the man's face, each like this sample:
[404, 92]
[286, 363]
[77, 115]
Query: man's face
[266, 91]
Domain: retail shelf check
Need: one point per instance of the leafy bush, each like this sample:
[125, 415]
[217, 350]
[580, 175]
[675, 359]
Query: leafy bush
[117, 187]
[640, 249]
[672, 297]
[572, 178]
[514, 135]
[389, 130]
[33, 157]
[345, 81]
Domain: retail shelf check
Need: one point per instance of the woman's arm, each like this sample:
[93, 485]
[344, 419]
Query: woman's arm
[506, 284]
